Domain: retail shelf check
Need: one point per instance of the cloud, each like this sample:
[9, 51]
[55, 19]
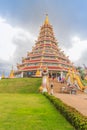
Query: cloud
[5, 66]
[83, 59]
[24, 42]
[77, 53]
[14, 43]
[6, 35]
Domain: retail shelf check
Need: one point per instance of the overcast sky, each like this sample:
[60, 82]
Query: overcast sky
[20, 22]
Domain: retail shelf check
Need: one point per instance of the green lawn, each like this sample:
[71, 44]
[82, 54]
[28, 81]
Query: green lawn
[30, 112]
[20, 85]
[23, 108]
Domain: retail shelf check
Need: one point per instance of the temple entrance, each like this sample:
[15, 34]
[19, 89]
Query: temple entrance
[54, 74]
[28, 74]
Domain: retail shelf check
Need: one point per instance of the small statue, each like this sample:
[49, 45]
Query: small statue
[45, 82]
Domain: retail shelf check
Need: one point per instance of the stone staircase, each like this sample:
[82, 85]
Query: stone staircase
[58, 86]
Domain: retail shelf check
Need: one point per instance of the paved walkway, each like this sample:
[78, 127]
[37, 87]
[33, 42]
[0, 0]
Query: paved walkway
[78, 101]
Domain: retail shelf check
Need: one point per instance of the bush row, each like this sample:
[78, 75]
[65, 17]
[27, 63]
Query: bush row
[72, 115]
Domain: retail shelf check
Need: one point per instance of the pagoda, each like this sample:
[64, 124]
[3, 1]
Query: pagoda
[45, 53]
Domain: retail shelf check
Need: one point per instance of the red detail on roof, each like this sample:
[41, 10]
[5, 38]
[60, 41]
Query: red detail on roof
[54, 67]
[50, 60]
[29, 61]
[31, 68]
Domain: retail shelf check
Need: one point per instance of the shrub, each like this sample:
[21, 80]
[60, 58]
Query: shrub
[71, 114]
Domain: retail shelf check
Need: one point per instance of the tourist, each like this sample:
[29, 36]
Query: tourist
[51, 88]
[62, 80]
[58, 78]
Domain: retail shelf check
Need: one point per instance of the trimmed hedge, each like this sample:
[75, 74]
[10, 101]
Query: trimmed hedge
[71, 114]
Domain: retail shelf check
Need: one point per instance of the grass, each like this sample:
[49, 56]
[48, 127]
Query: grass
[30, 112]
[20, 85]
[23, 108]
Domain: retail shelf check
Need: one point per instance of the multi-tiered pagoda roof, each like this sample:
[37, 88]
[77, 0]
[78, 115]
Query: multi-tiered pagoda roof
[45, 53]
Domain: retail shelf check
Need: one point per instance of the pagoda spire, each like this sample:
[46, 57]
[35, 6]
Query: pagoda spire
[11, 73]
[3, 75]
[46, 19]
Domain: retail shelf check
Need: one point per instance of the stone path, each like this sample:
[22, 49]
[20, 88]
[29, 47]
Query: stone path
[78, 101]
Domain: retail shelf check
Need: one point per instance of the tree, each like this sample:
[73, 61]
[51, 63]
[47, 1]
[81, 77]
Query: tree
[81, 71]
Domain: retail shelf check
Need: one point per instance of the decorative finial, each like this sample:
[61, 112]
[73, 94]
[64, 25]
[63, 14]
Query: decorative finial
[46, 20]
[3, 75]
